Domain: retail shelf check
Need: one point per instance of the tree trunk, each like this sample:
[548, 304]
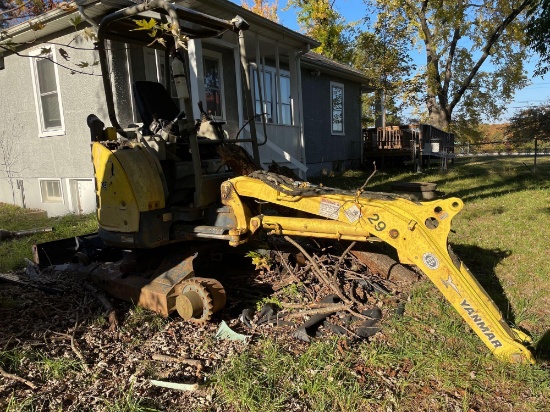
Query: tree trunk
[385, 266]
[440, 118]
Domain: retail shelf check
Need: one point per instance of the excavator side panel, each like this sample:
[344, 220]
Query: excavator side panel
[418, 231]
[127, 183]
[117, 208]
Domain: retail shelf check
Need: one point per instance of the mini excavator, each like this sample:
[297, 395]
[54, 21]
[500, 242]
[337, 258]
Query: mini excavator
[163, 184]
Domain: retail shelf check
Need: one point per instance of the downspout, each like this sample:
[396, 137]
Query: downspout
[86, 18]
[301, 107]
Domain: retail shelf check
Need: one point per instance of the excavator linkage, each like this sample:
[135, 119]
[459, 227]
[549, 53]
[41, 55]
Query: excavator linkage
[417, 230]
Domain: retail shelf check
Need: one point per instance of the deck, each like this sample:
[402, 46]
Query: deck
[412, 144]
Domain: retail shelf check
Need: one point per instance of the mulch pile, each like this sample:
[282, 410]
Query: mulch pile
[62, 351]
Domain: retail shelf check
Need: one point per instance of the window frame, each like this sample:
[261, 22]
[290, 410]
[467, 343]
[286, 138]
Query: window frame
[338, 85]
[42, 199]
[43, 131]
[213, 55]
[275, 87]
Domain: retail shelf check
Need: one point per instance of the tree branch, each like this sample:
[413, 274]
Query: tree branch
[15, 8]
[16, 378]
[432, 58]
[47, 58]
[449, 63]
[499, 30]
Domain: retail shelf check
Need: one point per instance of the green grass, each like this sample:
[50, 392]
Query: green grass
[128, 401]
[18, 360]
[429, 359]
[270, 377]
[13, 252]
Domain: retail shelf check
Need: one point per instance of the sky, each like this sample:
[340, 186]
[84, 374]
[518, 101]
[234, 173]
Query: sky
[353, 10]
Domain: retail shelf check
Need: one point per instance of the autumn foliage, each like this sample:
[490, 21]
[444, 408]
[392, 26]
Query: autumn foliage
[263, 8]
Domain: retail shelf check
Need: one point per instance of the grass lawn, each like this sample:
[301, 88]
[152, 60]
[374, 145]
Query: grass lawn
[427, 359]
[13, 252]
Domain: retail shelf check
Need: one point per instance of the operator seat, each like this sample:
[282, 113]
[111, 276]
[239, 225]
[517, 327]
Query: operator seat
[153, 101]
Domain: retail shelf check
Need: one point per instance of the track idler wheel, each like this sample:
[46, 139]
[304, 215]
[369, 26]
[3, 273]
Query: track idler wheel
[200, 298]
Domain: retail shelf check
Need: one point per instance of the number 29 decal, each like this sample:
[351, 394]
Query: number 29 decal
[376, 222]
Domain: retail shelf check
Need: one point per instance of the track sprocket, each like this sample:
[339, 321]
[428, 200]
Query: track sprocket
[199, 299]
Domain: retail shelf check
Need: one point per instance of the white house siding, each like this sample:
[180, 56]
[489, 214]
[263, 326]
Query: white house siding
[65, 157]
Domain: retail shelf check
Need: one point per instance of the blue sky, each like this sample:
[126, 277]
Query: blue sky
[354, 10]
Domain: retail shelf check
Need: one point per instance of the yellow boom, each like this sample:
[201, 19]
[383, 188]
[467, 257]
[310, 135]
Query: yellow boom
[417, 230]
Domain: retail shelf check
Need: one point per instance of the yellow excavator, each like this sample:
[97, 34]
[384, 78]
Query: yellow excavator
[163, 184]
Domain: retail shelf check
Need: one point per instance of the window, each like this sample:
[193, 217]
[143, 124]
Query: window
[154, 65]
[275, 111]
[213, 86]
[47, 96]
[337, 107]
[50, 191]
[285, 103]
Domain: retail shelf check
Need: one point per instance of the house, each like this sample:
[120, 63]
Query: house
[312, 105]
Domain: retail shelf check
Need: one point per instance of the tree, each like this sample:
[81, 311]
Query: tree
[16, 11]
[529, 124]
[538, 34]
[460, 37]
[320, 21]
[384, 58]
[263, 8]
[11, 157]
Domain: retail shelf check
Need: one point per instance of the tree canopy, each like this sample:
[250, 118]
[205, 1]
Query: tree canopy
[388, 64]
[16, 11]
[530, 123]
[474, 53]
[263, 8]
[538, 34]
[321, 21]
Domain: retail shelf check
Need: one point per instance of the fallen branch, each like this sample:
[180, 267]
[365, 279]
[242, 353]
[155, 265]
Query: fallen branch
[301, 306]
[101, 298]
[283, 260]
[318, 272]
[337, 266]
[16, 378]
[368, 179]
[79, 355]
[385, 266]
[327, 309]
[74, 349]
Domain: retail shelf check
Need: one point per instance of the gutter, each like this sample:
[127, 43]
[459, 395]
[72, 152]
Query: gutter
[45, 18]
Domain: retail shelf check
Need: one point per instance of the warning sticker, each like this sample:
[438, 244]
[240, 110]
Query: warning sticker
[329, 208]
[353, 214]
[430, 260]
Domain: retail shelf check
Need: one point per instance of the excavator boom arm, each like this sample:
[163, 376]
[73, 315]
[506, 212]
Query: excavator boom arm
[417, 230]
